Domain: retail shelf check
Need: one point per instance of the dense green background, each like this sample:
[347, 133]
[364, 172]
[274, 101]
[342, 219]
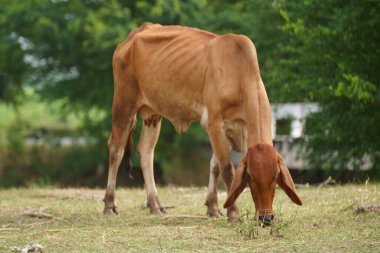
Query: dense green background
[56, 77]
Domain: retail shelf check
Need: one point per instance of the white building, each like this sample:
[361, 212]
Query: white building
[295, 113]
[288, 124]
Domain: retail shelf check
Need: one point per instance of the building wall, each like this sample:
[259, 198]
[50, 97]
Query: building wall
[288, 145]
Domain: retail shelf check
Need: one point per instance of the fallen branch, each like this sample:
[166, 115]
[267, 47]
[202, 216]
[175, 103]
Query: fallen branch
[328, 181]
[9, 229]
[191, 227]
[38, 215]
[168, 207]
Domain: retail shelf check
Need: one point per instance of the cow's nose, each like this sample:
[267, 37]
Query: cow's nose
[266, 219]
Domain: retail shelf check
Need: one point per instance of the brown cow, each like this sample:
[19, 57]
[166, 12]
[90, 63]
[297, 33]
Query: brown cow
[187, 75]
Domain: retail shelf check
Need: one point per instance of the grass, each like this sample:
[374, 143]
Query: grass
[327, 222]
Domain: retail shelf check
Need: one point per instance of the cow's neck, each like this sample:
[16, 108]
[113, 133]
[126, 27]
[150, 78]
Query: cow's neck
[259, 116]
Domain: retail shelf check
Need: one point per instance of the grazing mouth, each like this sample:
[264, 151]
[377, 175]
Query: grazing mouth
[266, 219]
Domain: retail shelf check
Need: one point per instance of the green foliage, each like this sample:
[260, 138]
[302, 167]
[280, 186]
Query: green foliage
[354, 88]
[309, 50]
[338, 54]
[23, 120]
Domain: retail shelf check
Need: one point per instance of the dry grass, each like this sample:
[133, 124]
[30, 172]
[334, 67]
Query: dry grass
[327, 222]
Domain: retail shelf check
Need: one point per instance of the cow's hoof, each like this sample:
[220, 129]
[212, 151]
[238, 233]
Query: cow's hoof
[214, 212]
[157, 211]
[232, 213]
[155, 206]
[110, 211]
[232, 219]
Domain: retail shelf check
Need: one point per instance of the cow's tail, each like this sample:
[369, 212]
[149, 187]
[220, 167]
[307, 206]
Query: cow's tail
[128, 150]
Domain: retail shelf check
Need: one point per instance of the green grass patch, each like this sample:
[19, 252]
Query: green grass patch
[327, 222]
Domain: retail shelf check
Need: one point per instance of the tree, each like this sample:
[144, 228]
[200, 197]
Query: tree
[308, 50]
[337, 58]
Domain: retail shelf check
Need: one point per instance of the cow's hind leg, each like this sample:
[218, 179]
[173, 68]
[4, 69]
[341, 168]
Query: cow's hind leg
[148, 140]
[116, 144]
[124, 109]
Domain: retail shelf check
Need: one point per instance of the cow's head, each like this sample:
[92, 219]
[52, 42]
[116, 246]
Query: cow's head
[262, 168]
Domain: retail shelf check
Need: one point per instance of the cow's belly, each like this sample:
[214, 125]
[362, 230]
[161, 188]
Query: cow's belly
[179, 107]
[175, 94]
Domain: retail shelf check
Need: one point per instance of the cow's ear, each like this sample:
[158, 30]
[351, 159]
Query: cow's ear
[285, 181]
[238, 183]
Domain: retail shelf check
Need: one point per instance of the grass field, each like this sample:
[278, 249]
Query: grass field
[327, 222]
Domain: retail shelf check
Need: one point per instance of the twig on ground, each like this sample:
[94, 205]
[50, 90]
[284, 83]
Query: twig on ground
[9, 229]
[104, 240]
[37, 214]
[168, 207]
[191, 227]
[326, 182]
[349, 207]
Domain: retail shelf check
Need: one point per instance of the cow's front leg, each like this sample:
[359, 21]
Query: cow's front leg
[222, 148]
[148, 140]
[212, 195]
[228, 172]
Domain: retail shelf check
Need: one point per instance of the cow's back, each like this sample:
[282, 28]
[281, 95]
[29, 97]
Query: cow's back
[169, 64]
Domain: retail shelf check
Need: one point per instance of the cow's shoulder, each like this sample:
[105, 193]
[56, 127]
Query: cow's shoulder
[239, 49]
[142, 28]
[234, 41]
[122, 53]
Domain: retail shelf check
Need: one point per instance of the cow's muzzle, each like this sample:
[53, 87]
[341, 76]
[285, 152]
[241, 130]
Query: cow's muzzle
[266, 219]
